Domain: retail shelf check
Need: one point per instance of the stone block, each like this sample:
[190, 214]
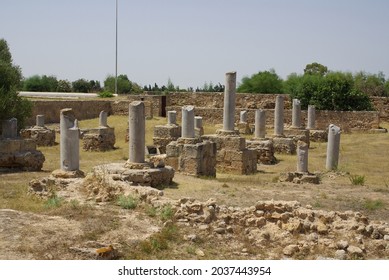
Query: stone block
[244, 128]
[299, 178]
[265, 150]
[284, 145]
[167, 131]
[100, 139]
[233, 142]
[318, 135]
[297, 134]
[41, 135]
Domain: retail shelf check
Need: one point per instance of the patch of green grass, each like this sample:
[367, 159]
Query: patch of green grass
[373, 204]
[166, 212]
[127, 202]
[151, 211]
[357, 180]
[54, 202]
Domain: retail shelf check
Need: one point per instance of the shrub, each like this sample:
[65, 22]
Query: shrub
[105, 94]
[357, 180]
[166, 212]
[127, 202]
[373, 204]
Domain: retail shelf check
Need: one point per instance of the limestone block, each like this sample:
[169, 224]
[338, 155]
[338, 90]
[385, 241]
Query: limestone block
[41, 135]
[244, 128]
[101, 139]
[297, 134]
[167, 131]
[318, 135]
[172, 150]
[284, 145]
[265, 150]
[227, 142]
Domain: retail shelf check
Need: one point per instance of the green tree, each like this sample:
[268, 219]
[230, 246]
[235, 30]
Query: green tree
[11, 104]
[262, 82]
[41, 83]
[371, 84]
[64, 86]
[125, 86]
[315, 69]
[81, 85]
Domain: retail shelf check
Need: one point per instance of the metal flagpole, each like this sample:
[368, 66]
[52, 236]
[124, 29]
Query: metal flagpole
[116, 52]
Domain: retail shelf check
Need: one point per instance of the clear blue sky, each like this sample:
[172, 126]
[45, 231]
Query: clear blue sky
[194, 41]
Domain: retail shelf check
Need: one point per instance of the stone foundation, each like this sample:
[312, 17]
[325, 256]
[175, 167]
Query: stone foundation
[42, 136]
[244, 128]
[297, 134]
[284, 145]
[99, 139]
[232, 155]
[20, 154]
[153, 177]
[192, 157]
[164, 134]
[299, 178]
[265, 150]
[318, 135]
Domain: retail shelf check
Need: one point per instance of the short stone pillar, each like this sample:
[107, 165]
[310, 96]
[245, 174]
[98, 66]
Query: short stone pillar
[260, 123]
[188, 120]
[229, 102]
[302, 157]
[243, 117]
[103, 119]
[136, 126]
[333, 147]
[10, 128]
[69, 141]
[171, 117]
[311, 123]
[296, 114]
[199, 130]
[279, 116]
[40, 121]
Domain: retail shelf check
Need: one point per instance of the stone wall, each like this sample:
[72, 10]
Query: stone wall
[87, 109]
[348, 121]
[381, 104]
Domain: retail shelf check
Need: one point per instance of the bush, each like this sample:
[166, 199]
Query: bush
[127, 202]
[105, 94]
[262, 82]
[357, 180]
[11, 104]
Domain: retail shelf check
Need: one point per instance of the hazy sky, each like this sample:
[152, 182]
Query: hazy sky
[194, 41]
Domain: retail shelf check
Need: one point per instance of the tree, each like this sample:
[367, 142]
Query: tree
[81, 85]
[262, 82]
[315, 69]
[41, 83]
[125, 86]
[64, 86]
[11, 104]
[371, 84]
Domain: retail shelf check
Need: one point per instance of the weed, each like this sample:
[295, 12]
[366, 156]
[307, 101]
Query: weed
[151, 211]
[317, 204]
[74, 204]
[225, 185]
[373, 204]
[127, 202]
[159, 241]
[357, 180]
[166, 212]
[53, 202]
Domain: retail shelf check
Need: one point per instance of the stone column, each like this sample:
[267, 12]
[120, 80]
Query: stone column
[311, 123]
[188, 119]
[198, 122]
[229, 102]
[260, 123]
[136, 127]
[10, 128]
[302, 157]
[333, 147]
[296, 114]
[103, 119]
[243, 117]
[171, 117]
[279, 116]
[40, 120]
[69, 141]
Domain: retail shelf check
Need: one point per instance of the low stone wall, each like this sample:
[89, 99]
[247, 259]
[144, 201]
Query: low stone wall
[381, 104]
[347, 120]
[85, 109]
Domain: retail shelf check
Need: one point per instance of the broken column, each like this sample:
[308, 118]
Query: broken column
[137, 130]
[279, 116]
[10, 128]
[232, 154]
[263, 146]
[164, 134]
[311, 123]
[260, 124]
[190, 154]
[333, 147]
[229, 102]
[99, 139]
[199, 130]
[188, 122]
[42, 135]
[302, 157]
[243, 125]
[69, 141]
[17, 153]
[296, 114]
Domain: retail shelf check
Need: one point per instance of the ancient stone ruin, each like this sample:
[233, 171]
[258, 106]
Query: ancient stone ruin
[164, 134]
[99, 139]
[16, 152]
[190, 154]
[42, 135]
[315, 135]
[243, 125]
[232, 154]
[333, 147]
